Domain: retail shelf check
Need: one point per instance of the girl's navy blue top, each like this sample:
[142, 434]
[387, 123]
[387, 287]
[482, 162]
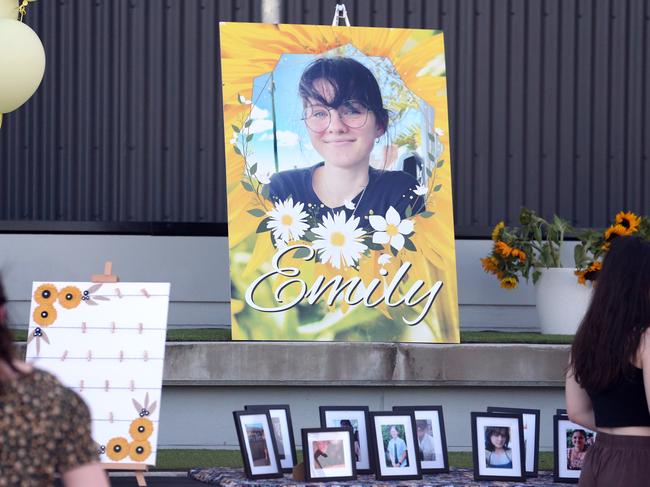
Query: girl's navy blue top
[385, 189]
[622, 404]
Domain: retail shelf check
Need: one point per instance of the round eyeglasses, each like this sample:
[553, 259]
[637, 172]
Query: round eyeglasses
[352, 113]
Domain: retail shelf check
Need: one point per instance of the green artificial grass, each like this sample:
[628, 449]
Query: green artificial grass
[222, 334]
[186, 459]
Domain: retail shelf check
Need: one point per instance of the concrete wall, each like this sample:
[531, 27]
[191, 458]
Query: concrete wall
[197, 268]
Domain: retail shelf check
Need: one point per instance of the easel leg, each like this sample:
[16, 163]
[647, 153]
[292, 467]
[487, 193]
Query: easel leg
[139, 477]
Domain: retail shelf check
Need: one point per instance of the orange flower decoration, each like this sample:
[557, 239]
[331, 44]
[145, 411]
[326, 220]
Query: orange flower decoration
[141, 429]
[45, 294]
[502, 248]
[44, 315]
[498, 228]
[629, 221]
[70, 297]
[117, 448]
[615, 231]
[490, 265]
[140, 450]
[519, 254]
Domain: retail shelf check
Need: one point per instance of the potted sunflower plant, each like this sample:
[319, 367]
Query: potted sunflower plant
[533, 250]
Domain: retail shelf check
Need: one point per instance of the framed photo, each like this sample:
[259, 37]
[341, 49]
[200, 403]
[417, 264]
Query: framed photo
[498, 446]
[570, 444]
[355, 418]
[282, 431]
[431, 438]
[394, 445]
[328, 454]
[530, 418]
[257, 444]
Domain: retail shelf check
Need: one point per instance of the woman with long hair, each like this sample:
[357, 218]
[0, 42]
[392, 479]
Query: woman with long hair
[44, 427]
[497, 450]
[608, 377]
[345, 117]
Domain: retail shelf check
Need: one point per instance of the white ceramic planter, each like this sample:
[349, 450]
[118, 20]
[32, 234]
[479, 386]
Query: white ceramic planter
[561, 301]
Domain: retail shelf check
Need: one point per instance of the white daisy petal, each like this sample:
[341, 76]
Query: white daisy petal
[349, 205]
[339, 241]
[380, 238]
[397, 242]
[405, 227]
[264, 177]
[421, 190]
[378, 222]
[383, 259]
[392, 216]
[287, 221]
[439, 132]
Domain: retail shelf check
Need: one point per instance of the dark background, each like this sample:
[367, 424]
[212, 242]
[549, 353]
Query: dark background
[548, 103]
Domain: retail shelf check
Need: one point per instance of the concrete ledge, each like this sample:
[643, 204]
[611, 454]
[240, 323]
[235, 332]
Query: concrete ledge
[363, 364]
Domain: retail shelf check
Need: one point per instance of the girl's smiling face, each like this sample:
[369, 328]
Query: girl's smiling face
[340, 145]
[498, 440]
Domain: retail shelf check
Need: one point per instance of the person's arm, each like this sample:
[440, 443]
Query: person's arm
[578, 403]
[91, 474]
[402, 457]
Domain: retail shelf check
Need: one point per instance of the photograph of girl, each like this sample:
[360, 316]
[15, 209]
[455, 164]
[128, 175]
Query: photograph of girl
[497, 452]
[339, 169]
[345, 117]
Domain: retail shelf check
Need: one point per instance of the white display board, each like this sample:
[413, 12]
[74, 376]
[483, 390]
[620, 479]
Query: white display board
[107, 343]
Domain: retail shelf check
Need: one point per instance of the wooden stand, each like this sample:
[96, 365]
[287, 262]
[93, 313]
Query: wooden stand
[138, 468]
[107, 276]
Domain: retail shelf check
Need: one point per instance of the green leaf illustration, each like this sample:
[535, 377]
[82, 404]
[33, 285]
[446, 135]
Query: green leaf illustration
[257, 212]
[437, 188]
[247, 186]
[261, 228]
[235, 128]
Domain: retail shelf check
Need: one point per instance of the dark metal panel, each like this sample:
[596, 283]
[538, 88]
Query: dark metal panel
[548, 102]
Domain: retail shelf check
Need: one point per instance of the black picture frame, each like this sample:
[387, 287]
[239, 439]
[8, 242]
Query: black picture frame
[261, 420]
[531, 462]
[562, 468]
[481, 424]
[435, 415]
[330, 416]
[311, 436]
[277, 411]
[382, 422]
[561, 412]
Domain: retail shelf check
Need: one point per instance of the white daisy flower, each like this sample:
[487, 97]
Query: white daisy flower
[390, 229]
[287, 221]
[263, 177]
[339, 240]
[421, 190]
[383, 259]
[242, 99]
[233, 141]
[439, 132]
[349, 205]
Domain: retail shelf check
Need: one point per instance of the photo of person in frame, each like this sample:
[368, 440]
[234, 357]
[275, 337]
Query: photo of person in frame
[396, 451]
[279, 440]
[426, 445]
[354, 426]
[577, 447]
[344, 115]
[497, 452]
[257, 442]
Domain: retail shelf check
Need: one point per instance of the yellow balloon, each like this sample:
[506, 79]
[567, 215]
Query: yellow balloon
[9, 9]
[22, 64]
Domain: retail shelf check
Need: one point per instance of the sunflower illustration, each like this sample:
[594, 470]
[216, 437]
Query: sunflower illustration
[44, 315]
[70, 297]
[46, 294]
[117, 448]
[141, 429]
[140, 450]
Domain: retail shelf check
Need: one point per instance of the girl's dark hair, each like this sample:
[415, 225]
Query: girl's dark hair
[496, 430]
[6, 340]
[583, 432]
[606, 343]
[350, 80]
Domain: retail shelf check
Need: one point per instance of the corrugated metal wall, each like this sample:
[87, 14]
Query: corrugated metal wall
[548, 102]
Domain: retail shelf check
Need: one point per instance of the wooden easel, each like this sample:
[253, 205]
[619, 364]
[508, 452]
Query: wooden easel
[107, 276]
[137, 468]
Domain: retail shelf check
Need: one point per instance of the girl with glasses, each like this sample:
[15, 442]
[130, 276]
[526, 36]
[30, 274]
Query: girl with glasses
[345, 117]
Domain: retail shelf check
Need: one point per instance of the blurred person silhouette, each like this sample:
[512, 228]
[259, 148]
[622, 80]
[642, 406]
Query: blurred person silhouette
[44, 427]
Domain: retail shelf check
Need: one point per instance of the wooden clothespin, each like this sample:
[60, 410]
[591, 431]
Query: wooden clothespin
[113, 327]
[83, 327]
[64, 356]
[110, 417]
[81, 385]
[121, 355]
[107, 276]
[132, 386]
[145, 356]
[107, 385]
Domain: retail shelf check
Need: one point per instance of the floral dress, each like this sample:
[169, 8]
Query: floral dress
[44, 429]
